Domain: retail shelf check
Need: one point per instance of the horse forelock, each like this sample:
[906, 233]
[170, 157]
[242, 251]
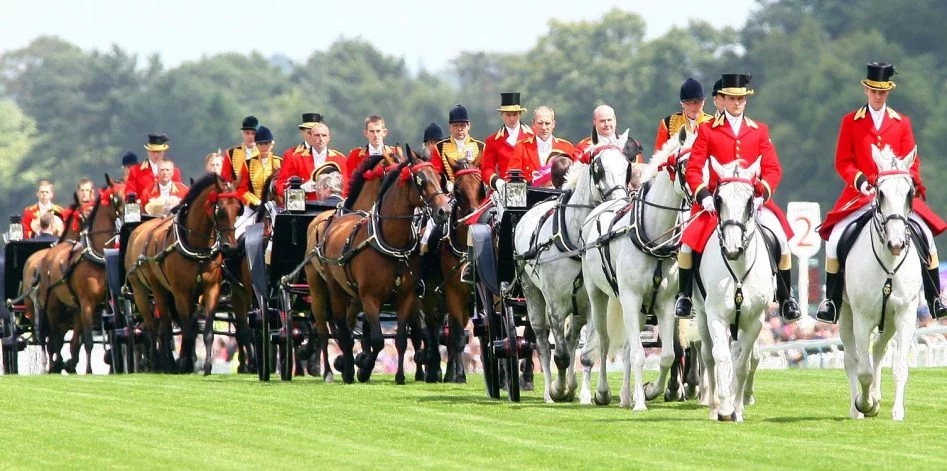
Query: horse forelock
[574, 174]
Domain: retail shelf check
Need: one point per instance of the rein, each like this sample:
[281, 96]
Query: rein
[878, 222]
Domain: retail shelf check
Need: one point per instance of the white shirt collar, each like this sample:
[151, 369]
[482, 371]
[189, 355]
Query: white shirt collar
[544, 148]
[513, 134]
[878, 116]
[460, 144]
[318, 158]
[606, 139]
[376, 150]
[153, 166]
[164, 189]
[735, 122]
[45, 208]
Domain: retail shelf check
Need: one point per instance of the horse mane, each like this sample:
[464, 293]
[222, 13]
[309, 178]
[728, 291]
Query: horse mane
[73, 214]
[392, 177]
[357, 180]
[573, 175]
[199, 186]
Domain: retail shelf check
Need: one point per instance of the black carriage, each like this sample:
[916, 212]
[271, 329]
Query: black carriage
[499, 306]
[16, 330]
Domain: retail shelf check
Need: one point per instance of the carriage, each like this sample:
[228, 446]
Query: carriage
[17, 330]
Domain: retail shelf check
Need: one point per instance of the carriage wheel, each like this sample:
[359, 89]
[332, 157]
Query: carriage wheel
[491, 372]
[115, 353]
[263, 343]
[286, 360]
[512, 360]
[131, 342]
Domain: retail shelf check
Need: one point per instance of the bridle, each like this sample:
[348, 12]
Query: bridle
[879, 220]
[597, 175]
[747, 230]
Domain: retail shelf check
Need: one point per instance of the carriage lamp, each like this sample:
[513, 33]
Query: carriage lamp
[514, 192]
[295, 196]
[15, 231]
[132, 209]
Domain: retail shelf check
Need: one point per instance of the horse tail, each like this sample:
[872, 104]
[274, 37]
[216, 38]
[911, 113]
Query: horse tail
[616, 327]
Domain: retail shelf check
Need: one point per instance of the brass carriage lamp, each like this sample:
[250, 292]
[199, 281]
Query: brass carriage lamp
[295, 196]
[132, 208]
[514, 192]
[15, 231]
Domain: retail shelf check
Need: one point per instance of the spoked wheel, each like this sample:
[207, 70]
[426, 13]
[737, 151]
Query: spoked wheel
[485, 332]
[263, 345]
[510, 358]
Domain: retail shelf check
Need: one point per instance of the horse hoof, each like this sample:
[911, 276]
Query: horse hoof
[749, 400]
[418, 375]
[337, 363]
[525, 385]
[433, 376]
[675, 395]
[399, 379]
[690, 393]
[363, 374]
[650, 391]
[329, 378]
[602, 399]
[872, 410]
[585, 397]
[732, 417]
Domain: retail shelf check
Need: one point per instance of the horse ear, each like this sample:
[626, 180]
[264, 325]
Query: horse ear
[108, 179]
[682, 135]
[623, 138]
[754, 168]
[407, 152]
[909, 159]
[631, 148]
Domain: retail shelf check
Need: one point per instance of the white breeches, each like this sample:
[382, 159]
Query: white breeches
[428, 228]
[769, 220]
[831, 246]
[243, 221]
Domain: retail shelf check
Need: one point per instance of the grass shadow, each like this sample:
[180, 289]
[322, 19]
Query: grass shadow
[791, 420]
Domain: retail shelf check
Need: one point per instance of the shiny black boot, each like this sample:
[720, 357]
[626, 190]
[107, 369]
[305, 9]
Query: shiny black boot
[684, 307]
[788, 307]
[829, 307]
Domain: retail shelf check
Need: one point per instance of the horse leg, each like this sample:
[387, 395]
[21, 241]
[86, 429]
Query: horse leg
[572, 340]
[85, 318]
[631, 315]
[418, 343]
[676, 378]
[372, 340]
[847, 335]
[710, 367]
[401, 344]
[866, 374]
[905, 333]
[526, 363]
[749, 397]
[723, 361]
[538, 312]
[745, 346]
[458, 342]
[75, 344]
[667, 327]
[598, 302]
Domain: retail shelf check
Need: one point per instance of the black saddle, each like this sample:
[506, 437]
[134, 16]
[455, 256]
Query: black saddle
[772, 246]
[849, 235]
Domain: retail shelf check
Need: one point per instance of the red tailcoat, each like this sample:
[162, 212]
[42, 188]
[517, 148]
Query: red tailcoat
[141, 176]
[526, 155]
[853, 158]
[358, 154]
[716, 138]
[227, 169]
[31, 213]
[497, 152]
[299, 163]
[177, 189]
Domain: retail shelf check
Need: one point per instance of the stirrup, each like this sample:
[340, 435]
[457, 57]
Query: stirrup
[827, 312]
[789, 311]
[937, 308]
[684, 307]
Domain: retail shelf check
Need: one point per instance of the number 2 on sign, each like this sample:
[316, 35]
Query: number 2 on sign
[808, 235]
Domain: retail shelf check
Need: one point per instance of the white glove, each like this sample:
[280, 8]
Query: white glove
[866, 189]
[758, 202]
[500, 184]
[309, 187]
[708, 204]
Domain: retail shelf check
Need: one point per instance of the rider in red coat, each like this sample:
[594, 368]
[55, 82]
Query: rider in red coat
[730, 137]
[533, 155]
[499, 147]
[874, 124]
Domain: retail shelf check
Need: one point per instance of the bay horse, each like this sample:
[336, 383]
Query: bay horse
[74, 281]
[552, 282]
[882, 284]
[364, 188]
[33, 269]
[739, 287]
[178, 260]
[372, 259]
[453, 294]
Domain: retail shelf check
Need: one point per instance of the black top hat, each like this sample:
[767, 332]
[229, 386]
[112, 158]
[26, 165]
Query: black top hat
[310, 120]
[735, 85]
[129, 158]
[433, 132]
[158, 142]
[458, 114]
[510, 101]
[250, 123]
[263, 134]
[879, 76]
[691, 90]
[717, 85]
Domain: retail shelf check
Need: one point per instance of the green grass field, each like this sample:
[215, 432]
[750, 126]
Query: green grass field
[224, 422]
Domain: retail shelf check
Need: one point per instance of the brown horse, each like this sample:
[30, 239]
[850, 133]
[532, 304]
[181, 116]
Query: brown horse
[178, 260]
[74, 279]
[371, 259]
[469, 192]
[364, 188]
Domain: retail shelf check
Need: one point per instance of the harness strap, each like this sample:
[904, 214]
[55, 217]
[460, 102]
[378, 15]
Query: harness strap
[887, 288]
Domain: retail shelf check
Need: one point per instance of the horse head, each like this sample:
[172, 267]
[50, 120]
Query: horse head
[895, 193]
[734, 197]
[113, 195]
[224, 206]
[610, 170]
[426, 183]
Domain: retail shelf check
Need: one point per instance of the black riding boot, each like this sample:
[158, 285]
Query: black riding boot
[829, 307]
[932, 293]
[788, 307]
[684, 308]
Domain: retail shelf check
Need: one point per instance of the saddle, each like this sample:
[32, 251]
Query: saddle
[851, 232]
[772, 247]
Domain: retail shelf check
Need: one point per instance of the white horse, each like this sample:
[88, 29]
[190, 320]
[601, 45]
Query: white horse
[882, 282]
[634, 260]
[552, 282]
[739, 286]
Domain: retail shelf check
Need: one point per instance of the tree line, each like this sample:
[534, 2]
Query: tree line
[68, 113]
